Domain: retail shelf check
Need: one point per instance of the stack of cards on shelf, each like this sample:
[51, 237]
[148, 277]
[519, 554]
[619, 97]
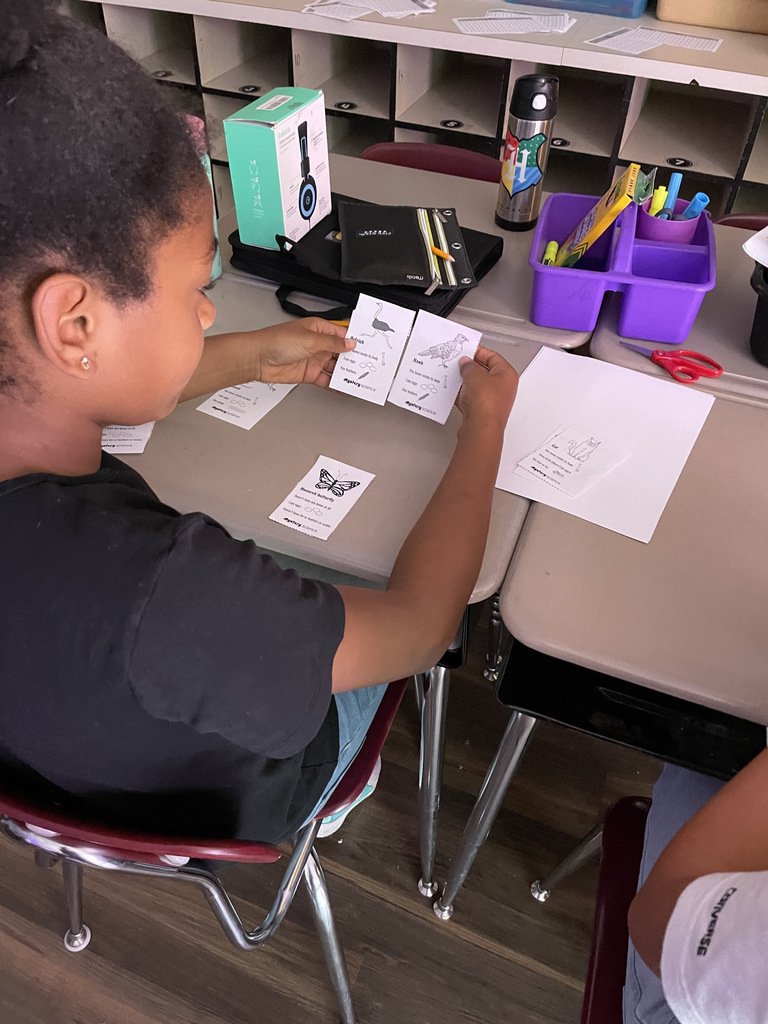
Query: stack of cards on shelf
[506, 22]
[428, 351]
[349, 10]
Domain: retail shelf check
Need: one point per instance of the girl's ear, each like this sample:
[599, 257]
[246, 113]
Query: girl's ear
[64, 311]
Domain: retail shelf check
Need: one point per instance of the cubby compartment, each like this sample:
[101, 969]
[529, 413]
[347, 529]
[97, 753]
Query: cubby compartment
[162, 42]
[354, 74]
[458, 92]
[757, 165]
[350, 136]
[83, 10]
[576, 172]
[222, 189]
[240, 58]
[477, 143]
[686, 127]
[590, 110]
[217, 109]
[751, 198]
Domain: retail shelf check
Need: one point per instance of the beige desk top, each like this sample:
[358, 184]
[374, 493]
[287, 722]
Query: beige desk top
[686, 614]
[721, 329]
[196, 462]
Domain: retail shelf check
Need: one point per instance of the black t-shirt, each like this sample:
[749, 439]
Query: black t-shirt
[155, 668]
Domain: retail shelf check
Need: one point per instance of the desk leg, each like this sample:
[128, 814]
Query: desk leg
[432, 694]
[499, 641]
[503, 767]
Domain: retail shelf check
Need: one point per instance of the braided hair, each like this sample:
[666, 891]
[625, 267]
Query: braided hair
[95, 168]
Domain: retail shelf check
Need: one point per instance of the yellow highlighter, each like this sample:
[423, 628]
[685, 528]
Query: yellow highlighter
[550, 253]
[658, 200]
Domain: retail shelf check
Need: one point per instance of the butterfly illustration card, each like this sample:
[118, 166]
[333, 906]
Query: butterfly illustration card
[381, 331]
[429, 379]
[245, 404]
[322, 498]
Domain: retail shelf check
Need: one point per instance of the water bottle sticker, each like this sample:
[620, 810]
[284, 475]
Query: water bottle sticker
[520, 169]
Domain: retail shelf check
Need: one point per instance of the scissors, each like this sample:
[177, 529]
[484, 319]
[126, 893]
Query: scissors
[684, 366]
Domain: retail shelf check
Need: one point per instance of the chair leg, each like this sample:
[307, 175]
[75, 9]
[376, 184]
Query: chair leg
[45, 860]
[434, 686]
[329, 939]
[78, 935]
[499, 640]
[586, 849]
[495, 786]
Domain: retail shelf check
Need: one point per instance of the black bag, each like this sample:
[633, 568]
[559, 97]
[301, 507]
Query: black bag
[313, 266]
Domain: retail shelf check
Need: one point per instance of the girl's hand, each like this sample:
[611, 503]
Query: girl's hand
[300, 351]
[488, 390]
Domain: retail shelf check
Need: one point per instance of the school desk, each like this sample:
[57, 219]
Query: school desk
[662, 646]
[239, 477]
[721, 329]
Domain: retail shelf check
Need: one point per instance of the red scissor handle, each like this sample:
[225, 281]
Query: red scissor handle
[686, 367]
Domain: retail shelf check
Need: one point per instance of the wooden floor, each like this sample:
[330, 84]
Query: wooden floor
[157, 955]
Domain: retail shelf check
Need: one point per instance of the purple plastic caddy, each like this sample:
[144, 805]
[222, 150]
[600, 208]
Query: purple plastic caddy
[663, 282]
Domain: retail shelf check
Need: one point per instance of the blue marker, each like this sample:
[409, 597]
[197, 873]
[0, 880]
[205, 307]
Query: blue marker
[675, 181]
[694, 208]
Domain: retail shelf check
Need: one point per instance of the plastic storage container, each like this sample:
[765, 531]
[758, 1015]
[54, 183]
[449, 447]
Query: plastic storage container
[663, 283]
[618, 8]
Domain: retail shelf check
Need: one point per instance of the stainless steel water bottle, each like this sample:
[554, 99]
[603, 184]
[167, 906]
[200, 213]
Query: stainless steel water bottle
[529, 132]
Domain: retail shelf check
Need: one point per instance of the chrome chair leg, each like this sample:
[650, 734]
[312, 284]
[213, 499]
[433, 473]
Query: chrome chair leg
[78, 935]
[329, 939]
[45, 860]
[499, 640]
[495, 786]
[434, 686]
[587, 848]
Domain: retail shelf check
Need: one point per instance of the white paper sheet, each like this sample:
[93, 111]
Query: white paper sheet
[381, 331]
[245, 404]
[652, 423]
[428, 378]
[756, 247]
[128, 440]
[639, 40]
[322, 498]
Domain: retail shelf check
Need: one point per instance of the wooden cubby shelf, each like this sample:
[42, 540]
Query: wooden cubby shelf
[422, 80]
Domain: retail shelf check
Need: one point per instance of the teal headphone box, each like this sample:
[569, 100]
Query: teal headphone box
[278, 159]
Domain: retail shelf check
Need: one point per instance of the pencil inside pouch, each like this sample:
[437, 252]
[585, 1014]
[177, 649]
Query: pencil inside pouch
[384, 245]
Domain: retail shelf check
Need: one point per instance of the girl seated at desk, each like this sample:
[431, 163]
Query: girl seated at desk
[151, 667]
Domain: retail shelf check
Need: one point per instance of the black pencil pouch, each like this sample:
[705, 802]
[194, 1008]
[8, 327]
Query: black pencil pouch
[395, 245]
[312, 266]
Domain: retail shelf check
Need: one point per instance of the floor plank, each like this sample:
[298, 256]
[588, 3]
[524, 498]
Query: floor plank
[157, 953]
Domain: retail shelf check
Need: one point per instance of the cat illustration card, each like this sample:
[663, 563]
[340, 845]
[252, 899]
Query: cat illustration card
[572, 459]
[381, 331]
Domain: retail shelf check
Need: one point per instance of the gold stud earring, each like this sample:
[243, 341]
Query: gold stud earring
[86, 363]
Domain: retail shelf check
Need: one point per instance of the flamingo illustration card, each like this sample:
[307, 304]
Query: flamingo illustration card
[322, 498]
[428, 379]
[381, 331]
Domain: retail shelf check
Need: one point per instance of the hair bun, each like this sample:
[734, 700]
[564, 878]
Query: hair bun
[23, 24]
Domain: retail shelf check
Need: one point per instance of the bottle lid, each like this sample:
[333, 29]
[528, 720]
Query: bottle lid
[534, 98]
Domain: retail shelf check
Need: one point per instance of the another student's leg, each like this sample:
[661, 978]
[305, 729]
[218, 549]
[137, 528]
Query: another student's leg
[677, 796]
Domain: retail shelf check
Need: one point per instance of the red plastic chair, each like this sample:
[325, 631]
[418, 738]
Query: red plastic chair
[78, 842]
[750, 221]
[432, 156]
[619, 840]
